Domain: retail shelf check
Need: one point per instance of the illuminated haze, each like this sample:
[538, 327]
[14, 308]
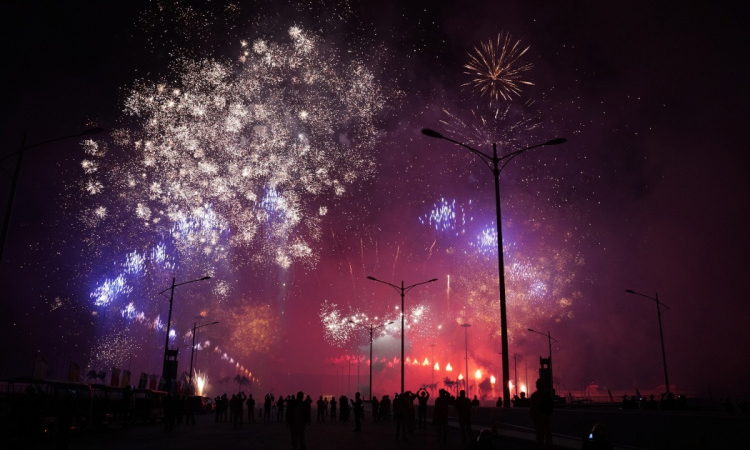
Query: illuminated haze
[280, 152]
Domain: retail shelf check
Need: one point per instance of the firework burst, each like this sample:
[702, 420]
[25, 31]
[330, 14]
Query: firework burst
[496, 69]
[262, 141]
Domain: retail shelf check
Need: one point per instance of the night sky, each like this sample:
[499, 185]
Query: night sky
[290, 165]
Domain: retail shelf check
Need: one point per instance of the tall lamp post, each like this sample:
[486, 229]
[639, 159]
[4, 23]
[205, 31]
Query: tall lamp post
[402, 290]
[164, 372]
[466, 326]
[192, 349]
[659, 310]
[372, 329]
[433, 364]
[494, 163]
[17, 173]
[549, 340]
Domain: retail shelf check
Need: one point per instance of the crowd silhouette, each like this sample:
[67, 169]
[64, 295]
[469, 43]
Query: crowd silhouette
[400, 409]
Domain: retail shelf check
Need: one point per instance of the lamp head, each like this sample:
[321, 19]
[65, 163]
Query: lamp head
[531, 330]
[432, 133]
[205, 278]
[372, 278]
[630, 291]
[557, 141]
[434, 279]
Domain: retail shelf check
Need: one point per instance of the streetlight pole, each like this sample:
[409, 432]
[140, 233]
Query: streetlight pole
[466, 355]
[195, 327]
[402, 290]
[496, 167]
[371, 328]
[17, 174]
[164, 372]
[549, 340]
[433, 365]
[659, 310]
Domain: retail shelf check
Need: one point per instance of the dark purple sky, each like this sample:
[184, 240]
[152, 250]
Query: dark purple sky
[648, 193]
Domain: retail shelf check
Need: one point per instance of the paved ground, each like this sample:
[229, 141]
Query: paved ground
[208, 434]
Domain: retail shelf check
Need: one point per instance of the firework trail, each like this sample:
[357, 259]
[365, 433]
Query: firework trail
[343, 326]
[487, 126]
[496, 68]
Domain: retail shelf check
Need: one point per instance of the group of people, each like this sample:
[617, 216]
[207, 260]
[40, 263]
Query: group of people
[296, 411]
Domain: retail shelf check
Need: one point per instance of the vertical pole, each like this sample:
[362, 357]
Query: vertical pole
[11, 197]
[433, 363]
[371, 330]
[192, 349]
[661, 335]
[466, 357]
[551, 372]
[501, 273]
[402, 335]
[169, 324]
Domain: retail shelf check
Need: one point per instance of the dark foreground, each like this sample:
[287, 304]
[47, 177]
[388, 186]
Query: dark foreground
[208, 434]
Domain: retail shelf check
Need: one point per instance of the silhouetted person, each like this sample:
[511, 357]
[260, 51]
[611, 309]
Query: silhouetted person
[233, 410]
[217, 408]
[333, 408]
[224, 408]
[385, 408]
[267, 401]
[308, 409]
[128, 405]
[399, 414]
[475, 403]
[375, 403]
[522, 401]
[499, 403]
[321, 409]
[463, 406]
[250, 402]
[239, 413]
[542, 405]
[422, 397]
[297, 420]
[410, 412]
[190, 405]
[280, 409]
[359, 410]
[343, 409]
[180, 401]
[440, 415]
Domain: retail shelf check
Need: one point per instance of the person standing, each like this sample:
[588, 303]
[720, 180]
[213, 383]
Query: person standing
[333, 409]
[250, 408]
[463, 405]
[542, 404]
[422, 397]
[267, 401]
[296, 418]
[359, 409]
[321, 409]
[440, 415]
[399, 414]
[375, 409]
